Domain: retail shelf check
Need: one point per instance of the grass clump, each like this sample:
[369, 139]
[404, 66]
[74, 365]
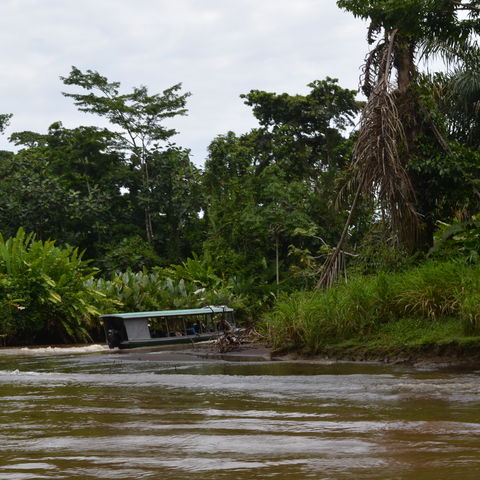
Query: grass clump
[403, 307]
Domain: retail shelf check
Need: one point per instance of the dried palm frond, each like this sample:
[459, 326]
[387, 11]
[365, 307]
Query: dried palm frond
[369, 77]
[377, 164]
[377, 168]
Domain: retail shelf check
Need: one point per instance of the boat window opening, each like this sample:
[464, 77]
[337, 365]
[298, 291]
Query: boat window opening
[177, 328]
[184, 327]
[167, 327]
[159, 327]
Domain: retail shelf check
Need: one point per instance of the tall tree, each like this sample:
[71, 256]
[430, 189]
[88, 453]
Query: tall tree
[34, 198]
[303, 133]
[139, 116]
[396, 119]
[74, 173]
[395, 122]
[278, 178]
[176, 198]
[83, 157]
[458, 95]
[251, 215]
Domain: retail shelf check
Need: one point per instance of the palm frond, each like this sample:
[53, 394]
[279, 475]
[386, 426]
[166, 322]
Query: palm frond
[377, 168]
[377, 163]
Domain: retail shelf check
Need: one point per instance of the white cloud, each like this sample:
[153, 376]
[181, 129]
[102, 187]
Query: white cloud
[217, 48]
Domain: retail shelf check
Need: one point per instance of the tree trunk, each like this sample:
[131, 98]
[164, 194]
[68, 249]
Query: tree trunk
[277, 261]
[146, 188]
[404, 63]
[148, 226]
[409, 112]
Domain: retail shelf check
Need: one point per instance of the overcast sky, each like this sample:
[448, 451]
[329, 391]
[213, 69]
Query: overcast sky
[217, 49]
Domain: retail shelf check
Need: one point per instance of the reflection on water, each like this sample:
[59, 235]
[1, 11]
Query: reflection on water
[103, 416]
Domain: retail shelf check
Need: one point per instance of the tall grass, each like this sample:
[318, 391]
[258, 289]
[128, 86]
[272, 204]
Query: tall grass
[308, 320]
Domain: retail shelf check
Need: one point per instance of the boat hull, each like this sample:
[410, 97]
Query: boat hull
[154, 342]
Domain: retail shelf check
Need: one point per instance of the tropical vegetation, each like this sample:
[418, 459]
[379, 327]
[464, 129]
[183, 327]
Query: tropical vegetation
[343, 216]
[432, 296]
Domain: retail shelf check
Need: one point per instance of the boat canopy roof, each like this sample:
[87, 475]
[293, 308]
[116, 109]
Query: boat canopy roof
[170, 313]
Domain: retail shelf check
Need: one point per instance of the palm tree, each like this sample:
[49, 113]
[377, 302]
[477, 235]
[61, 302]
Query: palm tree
[459, 99]
[395, 118]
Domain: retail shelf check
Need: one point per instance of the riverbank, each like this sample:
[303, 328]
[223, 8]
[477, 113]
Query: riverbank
[440, 353]
[432, 310]
[406, 340]
[451, 353]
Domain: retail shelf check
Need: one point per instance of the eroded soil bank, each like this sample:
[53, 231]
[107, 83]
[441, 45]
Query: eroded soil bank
[438, 354]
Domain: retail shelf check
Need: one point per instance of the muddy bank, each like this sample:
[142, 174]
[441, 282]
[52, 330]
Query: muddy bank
[435, 354]
[445, 354]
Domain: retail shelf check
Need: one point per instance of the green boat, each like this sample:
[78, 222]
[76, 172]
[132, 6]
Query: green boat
[166, 327]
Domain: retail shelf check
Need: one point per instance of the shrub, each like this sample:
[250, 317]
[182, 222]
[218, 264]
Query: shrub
[43, 292]
[164, 289]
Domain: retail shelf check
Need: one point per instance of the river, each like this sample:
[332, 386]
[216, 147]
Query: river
[86, 414]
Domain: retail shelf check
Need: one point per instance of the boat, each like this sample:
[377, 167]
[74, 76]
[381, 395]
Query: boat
[166, 327]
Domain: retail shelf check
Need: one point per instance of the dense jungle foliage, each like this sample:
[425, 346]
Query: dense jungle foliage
[374, 200]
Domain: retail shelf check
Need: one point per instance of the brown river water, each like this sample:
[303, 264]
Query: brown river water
[96, 415]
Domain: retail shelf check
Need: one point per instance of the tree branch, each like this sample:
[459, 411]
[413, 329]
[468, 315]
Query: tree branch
[466, 6]
[326, 277]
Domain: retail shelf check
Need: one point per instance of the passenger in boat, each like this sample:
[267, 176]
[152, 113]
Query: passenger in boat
[199, 327]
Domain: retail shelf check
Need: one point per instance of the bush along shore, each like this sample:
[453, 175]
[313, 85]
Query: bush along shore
[45, 295]
[428, 312]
